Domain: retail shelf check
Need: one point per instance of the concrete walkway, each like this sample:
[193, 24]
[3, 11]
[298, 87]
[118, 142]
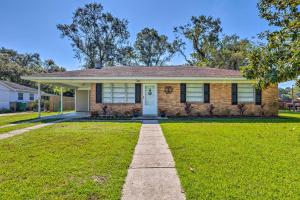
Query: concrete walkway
[24, 130]
[16, 113]
[152, 174]
[67, 115]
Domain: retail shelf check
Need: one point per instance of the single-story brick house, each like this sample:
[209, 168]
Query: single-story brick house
[174, 90]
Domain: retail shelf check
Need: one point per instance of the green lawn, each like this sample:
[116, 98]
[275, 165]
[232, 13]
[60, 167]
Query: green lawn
[19, 118]
[237, 158]
[25, 125]
[70, 160]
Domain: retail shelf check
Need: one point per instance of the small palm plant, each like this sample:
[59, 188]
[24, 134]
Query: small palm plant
[242, 108]
[210, 109]
[188, 108]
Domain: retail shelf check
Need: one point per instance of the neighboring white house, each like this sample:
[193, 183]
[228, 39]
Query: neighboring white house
[12, 92]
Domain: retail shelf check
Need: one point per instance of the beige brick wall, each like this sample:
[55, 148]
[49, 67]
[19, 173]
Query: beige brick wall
[119, 108]
[220, 97]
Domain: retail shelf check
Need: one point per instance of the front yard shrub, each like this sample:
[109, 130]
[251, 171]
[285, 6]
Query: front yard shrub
[104, 110]
[162, 113]
[210, 109]
[45, 105]
[242, 108]
[188, 108]
[4, 110]
[128, 114]
[94, 114]
[262, 109]
[136, 112]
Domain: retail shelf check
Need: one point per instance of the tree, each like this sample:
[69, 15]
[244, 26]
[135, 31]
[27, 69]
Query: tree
[50, 66]
[203, 32]
[232, 52]
[152, 49]
[286, 93]
[279, 60]
[13, 65]
[96, 36]
[209, 48]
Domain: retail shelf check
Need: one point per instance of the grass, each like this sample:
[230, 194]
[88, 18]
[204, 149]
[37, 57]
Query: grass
[237, 158]
[19, 118]
[25, 125]
[69, 160]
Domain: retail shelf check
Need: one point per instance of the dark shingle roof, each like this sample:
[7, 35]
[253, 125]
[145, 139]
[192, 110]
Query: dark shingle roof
[15, 86]
[138, 71]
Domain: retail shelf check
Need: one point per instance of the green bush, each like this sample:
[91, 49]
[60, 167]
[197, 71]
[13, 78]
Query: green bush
[45, 105]
[5, 110]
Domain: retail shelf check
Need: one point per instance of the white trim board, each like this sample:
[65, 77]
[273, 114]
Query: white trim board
[131, 78]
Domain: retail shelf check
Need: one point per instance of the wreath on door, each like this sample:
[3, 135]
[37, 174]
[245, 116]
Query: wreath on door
[168, 89]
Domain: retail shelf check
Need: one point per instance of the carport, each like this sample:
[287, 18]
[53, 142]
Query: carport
[82, 92]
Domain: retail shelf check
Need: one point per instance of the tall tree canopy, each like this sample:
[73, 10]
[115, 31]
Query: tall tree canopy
[279, 60]
[203, 32]
[50, 66]
[287, 94]
[97, 36]
[231, 52]
[209, 47]
[152, 49]
[13, 65]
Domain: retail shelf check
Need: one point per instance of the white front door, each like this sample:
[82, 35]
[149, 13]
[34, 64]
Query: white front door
[149, 99]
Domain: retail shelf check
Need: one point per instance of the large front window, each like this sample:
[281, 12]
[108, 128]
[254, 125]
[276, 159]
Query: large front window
[194, 92]
[118, 93]
[246, 93]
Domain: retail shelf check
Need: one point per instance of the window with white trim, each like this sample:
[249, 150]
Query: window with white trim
[31, 96]
[246, 93]
[20, 96]
[194, 92]
[118, 93]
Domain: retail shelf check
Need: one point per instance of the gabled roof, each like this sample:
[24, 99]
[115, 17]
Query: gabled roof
[17, 87]
[153, 71]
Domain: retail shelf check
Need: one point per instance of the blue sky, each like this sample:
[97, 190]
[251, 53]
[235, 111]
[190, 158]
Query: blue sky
[30, 26]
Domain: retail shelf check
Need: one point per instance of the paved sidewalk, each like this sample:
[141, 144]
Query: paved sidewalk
[16, 113]
[152, 174]
[24, 130]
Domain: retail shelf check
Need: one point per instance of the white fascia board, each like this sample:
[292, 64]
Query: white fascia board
[17, 90]
[134, 79]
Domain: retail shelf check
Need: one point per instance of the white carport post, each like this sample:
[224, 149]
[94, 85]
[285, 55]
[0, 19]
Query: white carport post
[75, 100]
[61, 100]
[39, 100]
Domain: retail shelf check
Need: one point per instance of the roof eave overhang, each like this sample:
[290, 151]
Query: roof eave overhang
[97, 79]
[17, 90]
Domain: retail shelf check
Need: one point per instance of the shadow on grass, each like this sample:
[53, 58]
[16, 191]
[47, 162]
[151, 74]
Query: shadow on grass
[200, 120]
[35, 120]
[90, 119]
[282, 119]
[285, 117]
